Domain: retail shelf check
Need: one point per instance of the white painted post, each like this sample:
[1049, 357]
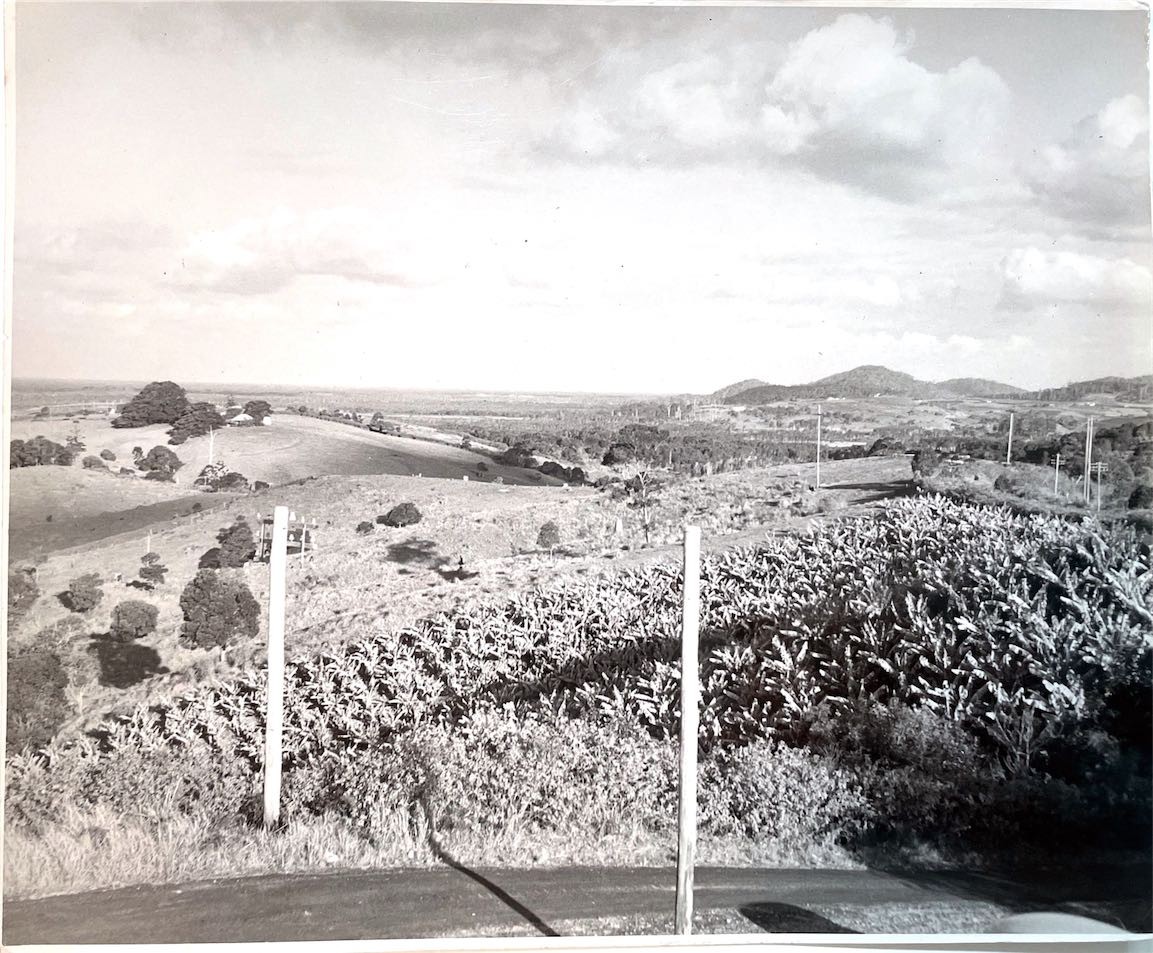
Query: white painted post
[148, 545]
[690, 690]
[818, 446]
[1056, 473]
[1088, 457]
[1009, 448]
[273, 725]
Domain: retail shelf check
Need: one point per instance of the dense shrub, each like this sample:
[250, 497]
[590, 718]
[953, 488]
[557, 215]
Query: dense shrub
[258, 410]
[39, 452]
[37, 707]
[1142, 497]
[364, 527]
[133, 619]
[259, 485]
[22, 590]
[84, 593]
[218, 611]
[404, 514]
[237, 544]
[93, 463]
[160, 402]
[769, 791]
[107, 455]
[160, 476]
[233, 481]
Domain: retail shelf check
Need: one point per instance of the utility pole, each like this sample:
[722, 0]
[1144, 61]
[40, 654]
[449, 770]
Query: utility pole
[690, 692]
[211, 438]
[1009, 448]
[273, 731]
[818, 446]
[1056, 473]
[1088, 457]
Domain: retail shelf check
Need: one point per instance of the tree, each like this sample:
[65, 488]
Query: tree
[160, 460]
[237, 545]
[107, 455]
[549, 536]
[152, 571]
[642, 490]
[161, 402]
[364, 527]
[196, 421]
[92, 462]
[133, 619]
[258, 409]
[84, 593]
[137, 455]
[218, 611]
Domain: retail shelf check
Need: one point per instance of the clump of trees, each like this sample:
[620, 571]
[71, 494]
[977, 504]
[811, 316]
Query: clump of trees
[133, 619]
[403, 514]
[258, 410]
[39, 452]
[161, 402]
[84, 593]
[237, 544]
[91, 462]
[218, 611]
[196, 421]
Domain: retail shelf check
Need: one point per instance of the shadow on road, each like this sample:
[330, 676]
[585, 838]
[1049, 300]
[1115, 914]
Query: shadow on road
[878, 491]
[786, 918]
[501, 894]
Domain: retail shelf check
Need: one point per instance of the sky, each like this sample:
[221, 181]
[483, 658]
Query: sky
[578, 198]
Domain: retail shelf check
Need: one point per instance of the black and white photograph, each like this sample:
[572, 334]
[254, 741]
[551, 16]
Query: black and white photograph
[526, 471]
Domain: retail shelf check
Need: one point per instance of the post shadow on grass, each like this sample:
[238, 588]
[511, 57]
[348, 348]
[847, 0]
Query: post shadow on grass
[772, 917]
[499, 892]
[124, 664]
[886, 490]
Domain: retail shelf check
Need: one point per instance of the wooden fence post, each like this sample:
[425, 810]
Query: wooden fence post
[690, 690]
[273, 724]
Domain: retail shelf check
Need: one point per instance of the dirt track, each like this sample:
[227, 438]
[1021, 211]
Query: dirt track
[424, 903]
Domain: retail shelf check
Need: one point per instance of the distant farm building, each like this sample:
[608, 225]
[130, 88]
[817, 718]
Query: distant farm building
[247, 420]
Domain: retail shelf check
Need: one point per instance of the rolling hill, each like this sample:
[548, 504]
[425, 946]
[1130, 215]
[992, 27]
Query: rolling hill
[1119, 388]
[868, 380]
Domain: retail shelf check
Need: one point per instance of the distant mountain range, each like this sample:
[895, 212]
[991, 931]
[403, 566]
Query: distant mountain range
[871, 380]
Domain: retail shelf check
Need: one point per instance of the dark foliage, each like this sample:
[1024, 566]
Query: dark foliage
[93, 463]
[133, 619]
[39, 452]
[196, 421]
[210, 559]
[37, 706]
[107, 455]
[84, 593]
[549, 536]
[22, 591]
[160, 460]
[161, 402]
[160, 476]
[237, 544]
[364, 527]
[232, 481]
[152, 571]
[1142, 497]
[259, 485]
[258, 409]
[218, 611]
[404, 514]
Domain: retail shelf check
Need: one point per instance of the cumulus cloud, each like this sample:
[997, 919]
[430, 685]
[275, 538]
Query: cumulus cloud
[845, 100]
[1100, 174]
[1035, 279]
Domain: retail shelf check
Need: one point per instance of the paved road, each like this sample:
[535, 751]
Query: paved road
[418, 903]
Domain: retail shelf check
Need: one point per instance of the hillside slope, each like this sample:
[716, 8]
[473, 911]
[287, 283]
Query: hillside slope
[867, 380]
